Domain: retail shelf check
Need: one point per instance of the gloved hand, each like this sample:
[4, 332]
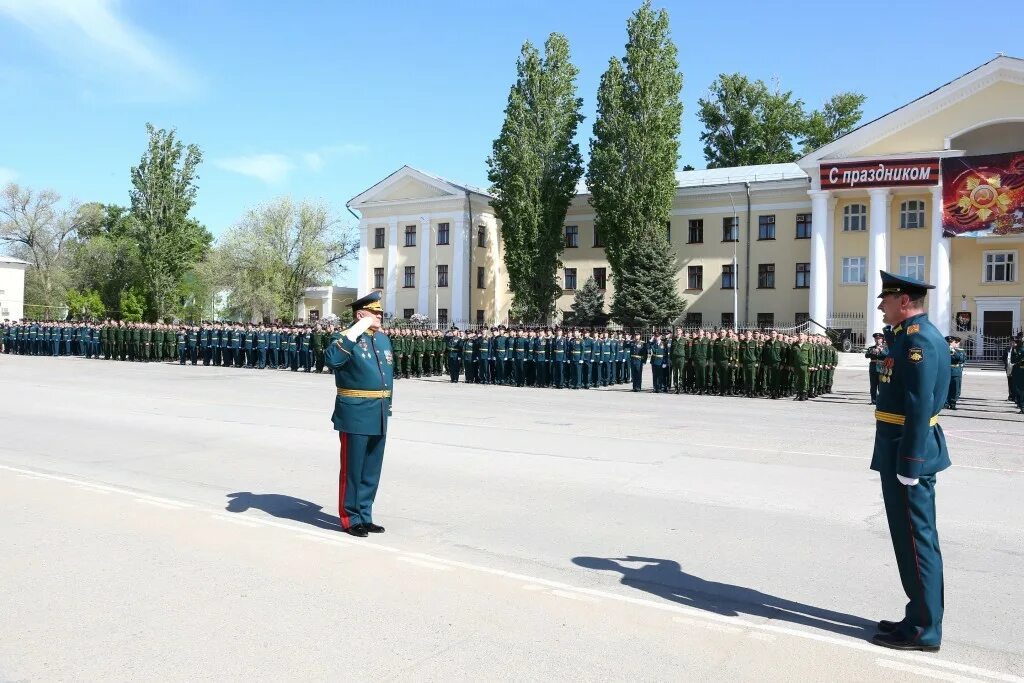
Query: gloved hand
[361, 326]
[906, 481]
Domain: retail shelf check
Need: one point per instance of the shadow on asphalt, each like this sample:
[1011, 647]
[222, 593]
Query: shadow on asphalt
[284, 507]
[666, 579]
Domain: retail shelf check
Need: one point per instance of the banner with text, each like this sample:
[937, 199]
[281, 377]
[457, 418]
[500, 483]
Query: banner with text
[883, 173]
[983, 195]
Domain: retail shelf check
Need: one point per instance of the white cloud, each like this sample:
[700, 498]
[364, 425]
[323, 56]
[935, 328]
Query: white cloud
[7, 175]
[317, 160]
[270, 168]
[92, 38]
[314, 160]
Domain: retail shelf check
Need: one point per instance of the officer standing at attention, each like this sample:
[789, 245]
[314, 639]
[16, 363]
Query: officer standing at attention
[910, 449]
[363, 365]
[877, 354]
[957, 358]
[1016, 362]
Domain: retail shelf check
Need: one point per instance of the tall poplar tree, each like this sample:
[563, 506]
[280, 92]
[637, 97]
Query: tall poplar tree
[533, 170]
[631, 177]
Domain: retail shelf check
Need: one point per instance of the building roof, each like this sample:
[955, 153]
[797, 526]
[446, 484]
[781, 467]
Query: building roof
[11, 259]
[407, 171]
[728, 176]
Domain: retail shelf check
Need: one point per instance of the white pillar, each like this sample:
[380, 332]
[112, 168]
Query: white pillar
[820, 272]
[423, 282]
[460, 251]
[391, 292]
[328, 305]
[878, 255]
[830, 251]
[939, 308]
[362, 271]
[495, 260]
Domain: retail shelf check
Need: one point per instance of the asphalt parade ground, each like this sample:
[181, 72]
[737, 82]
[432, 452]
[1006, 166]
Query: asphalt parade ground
[176, 523]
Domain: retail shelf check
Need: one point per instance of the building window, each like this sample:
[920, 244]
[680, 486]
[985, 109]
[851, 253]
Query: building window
[855, 218]
[766, 321]
[912, 266]
[695, 277]
[442, 233]
[410, 276]
[731, 229]
[999, 266]
[442, 317]
[803, 275]
[728, 320]
[803, 226]
[854, 270]
[407, 313]
[728, 281]
[693, 320]
[410, 235]
[598, 239]
[601, 277]
[569, 278]
[481, 278]
[481, 236]
[766, 227]
[378, 278]
[766, 276]
[479, 316]
[378, 238]
[442, 276]
[572, 236]
[800, 318]
[912, 214]
[668, 231]
[696, 231]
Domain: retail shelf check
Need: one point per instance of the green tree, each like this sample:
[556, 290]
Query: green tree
[106, 256]
[839, 116]
[163, 193]
[277, 250]
[533, 169]
[85, 305]
[633, 155]
[132, 306]
[746, 123]
[588, 304]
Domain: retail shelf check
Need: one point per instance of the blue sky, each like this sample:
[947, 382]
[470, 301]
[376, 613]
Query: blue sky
[320, 100]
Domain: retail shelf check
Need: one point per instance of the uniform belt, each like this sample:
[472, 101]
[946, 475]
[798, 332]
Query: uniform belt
[897, 419]
[364, 393]
[631, 356]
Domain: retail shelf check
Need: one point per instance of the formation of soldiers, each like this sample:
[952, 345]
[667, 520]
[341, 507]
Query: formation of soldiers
[772, 364]
[219, 344]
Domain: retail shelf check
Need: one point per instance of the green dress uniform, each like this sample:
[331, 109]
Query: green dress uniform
[909, 442]
[364, 379]
[957, 358]
[452, 344]
[1017, 372]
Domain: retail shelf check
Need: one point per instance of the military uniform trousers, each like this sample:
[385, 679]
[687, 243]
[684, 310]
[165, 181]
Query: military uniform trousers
[636, 372]
[954, 390]
[453, 367]
[362, 457]
[910, 511]
[873, 382]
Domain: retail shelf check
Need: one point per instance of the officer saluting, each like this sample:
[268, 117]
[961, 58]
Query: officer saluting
[910, 449]
[363, 364]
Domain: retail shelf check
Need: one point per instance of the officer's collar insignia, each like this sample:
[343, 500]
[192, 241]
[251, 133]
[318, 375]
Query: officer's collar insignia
[898, 329]
[916, 354]
[911, 329]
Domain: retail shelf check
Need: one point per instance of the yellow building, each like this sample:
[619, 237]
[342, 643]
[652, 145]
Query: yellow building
[768, 245]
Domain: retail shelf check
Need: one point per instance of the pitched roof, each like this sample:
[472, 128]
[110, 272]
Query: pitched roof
[727, 176]
[11, 259]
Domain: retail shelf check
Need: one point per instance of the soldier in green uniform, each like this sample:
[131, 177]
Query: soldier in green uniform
[957, 358]
[637, 359]
[800, 361]
[453, 345]
[363, 364]
[419, 348]
[467, 352]
[749, 355]
[1016, 361]
[910, 449]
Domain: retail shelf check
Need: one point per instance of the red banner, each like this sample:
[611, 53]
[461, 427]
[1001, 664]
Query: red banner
[983, 195]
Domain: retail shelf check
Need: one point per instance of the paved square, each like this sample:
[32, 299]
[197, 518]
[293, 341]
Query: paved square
[179, 523]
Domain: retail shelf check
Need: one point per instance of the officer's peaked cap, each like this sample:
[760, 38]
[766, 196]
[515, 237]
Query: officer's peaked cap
[902, 284]
[370, 302]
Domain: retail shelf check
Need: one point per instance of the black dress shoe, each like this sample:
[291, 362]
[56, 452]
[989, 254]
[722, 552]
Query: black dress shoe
[894, 641]
[373, 528]
[357, 530]
[887, 626]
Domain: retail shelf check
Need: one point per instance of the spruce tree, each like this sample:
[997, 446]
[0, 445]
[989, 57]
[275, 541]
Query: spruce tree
[631, 177]
[533, 169]
[588, 304]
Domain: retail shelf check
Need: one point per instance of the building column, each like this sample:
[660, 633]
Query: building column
[821, 275]
[495, 261]
[830, 251]
[327, 308]
[940, 306]
[878, 255]
[391, 292]
[426, 277]
[362, 274]
[459, 313]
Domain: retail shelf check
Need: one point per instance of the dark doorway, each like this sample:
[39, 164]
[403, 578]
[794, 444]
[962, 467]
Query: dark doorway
[998, 324]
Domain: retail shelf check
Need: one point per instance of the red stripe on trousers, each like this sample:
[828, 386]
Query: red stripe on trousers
[917, 562]
[342, 480]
